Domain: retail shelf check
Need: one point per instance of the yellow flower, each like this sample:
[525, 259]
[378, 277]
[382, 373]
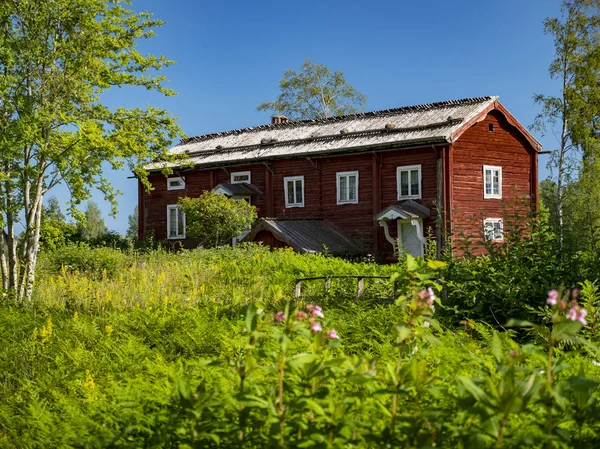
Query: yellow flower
[109, 330]
[46, 332]
[76, 316]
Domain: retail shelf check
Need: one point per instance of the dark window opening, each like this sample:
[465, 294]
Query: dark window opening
[491, 127]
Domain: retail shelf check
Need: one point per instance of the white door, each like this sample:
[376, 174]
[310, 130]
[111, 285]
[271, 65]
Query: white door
[408, 239]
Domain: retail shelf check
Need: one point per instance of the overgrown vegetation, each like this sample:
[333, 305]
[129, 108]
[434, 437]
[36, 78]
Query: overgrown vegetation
[210, 348]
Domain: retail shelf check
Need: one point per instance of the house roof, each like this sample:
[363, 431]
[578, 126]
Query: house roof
[411, 126]
[405, 210]
[237, 189]
[307, 235]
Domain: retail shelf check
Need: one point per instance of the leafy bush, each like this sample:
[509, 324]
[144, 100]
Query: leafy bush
[83, 258]
[216, 219]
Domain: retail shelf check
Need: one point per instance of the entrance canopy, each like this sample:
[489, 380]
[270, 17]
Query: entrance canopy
[409, 217]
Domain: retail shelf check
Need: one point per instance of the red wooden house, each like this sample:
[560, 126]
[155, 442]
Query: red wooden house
[378, 182]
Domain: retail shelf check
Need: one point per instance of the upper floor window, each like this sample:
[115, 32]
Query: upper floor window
[175, 222]
[175, 183]
[409, 182]
[347, 187]
[240, 176]
[493, 229]
[492, 182]
[294, 191]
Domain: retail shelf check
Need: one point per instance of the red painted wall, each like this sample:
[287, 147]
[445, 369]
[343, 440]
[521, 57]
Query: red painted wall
[478, 146]
[463, 164]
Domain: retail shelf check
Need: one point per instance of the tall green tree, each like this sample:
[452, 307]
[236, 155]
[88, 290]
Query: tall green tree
[132, 221]
[572, 114]
[56, 59]
[52, 211]
[93, 224]
[315, 92]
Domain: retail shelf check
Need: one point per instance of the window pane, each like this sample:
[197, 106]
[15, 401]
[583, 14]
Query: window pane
[343, 188]
[489, 231]
[352, 193]
[172, 222]
[299, 191]
[404, 183]
[496, 183]
[180, 222]
[290, 192]
[488, 182]
[498, 230]
[414, 182]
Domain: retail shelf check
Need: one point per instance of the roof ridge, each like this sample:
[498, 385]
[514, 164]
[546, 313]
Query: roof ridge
[298, 123]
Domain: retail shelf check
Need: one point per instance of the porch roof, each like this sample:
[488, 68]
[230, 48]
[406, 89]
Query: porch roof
[405, 210]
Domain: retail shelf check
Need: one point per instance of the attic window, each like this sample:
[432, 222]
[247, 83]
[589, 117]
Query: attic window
[491, 127]
[175, 183]
[240, 177]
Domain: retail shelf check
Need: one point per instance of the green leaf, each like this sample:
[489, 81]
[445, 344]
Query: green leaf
[513, 322]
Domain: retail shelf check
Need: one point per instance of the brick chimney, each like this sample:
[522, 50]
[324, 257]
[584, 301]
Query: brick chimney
[277, 119]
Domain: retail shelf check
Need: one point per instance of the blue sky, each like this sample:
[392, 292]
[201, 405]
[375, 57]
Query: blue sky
[230, 56]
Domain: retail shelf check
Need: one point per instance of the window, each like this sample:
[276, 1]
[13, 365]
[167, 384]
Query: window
[175, 222]
[294, 191]
[493, 229]
[240, 177]
[492, 182]
[175, 183]
[347, 187]
[409, 182]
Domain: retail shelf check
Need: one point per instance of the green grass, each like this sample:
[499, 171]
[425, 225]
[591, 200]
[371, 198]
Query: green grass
[147, 350]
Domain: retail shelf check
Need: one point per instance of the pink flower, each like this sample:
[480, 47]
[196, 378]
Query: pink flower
[430, 296]
[315, 310]
[552, 297]
[332, 334]
[316, 327]
[301, 315]
[279, 317]
[577, 313]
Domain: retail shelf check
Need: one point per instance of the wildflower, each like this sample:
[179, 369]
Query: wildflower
[301, 315]
[595, 363]
[577, 313]
[316, 327]
[315, 310]
[279, 316]
[332, 334]
[552, 297]
[430, 296]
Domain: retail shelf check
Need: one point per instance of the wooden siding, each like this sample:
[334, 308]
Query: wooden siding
[462, 179]
[503, 147]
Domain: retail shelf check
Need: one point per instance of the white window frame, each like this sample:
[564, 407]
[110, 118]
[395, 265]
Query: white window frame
[179, 187]
[346, 174]
[285, 190]
[241, 173]
[493, 195]
[493, 221]
[179, 236]
[410, 196]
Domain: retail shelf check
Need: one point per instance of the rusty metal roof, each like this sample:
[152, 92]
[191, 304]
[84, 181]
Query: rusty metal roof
[402, 127]
[411, 125]
[307, 235]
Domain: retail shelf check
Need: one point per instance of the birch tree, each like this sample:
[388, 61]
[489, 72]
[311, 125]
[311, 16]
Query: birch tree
[571, 115]
[56, 59]
[315, 92]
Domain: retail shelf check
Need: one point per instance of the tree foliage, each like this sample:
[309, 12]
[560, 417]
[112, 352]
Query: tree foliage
[215, 219]
[572, 116]
[93, 226]
[132, 222]
[315, 92]
[56, 59]
[52, 211]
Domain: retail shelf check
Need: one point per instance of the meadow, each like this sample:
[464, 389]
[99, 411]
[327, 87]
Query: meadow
[211, 348]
